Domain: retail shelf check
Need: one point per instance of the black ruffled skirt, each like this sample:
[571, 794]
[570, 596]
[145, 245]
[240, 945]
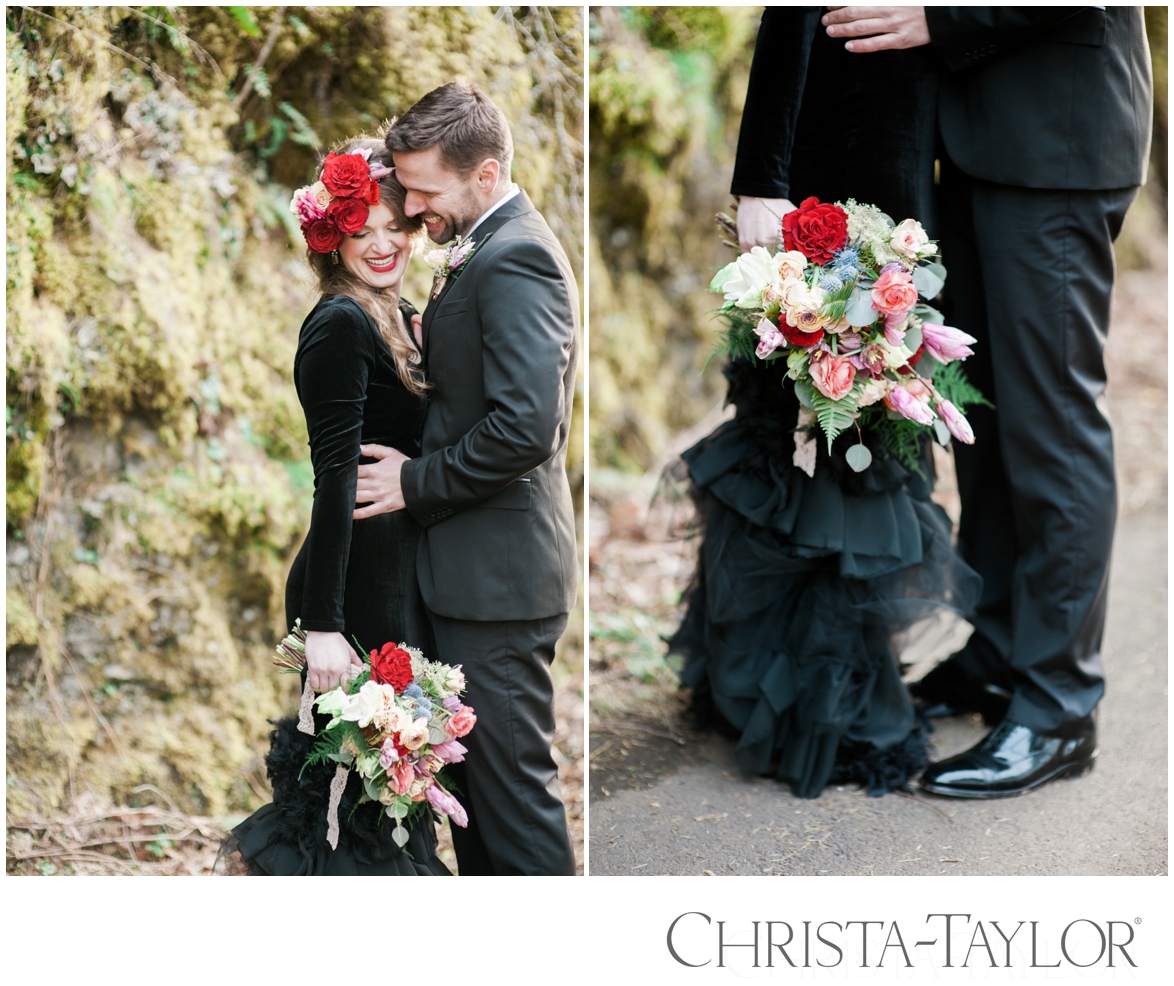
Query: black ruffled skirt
[288, 837]
[801, 585]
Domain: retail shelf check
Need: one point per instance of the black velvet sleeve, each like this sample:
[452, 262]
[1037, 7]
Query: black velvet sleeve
[335, 360]
[773, 97]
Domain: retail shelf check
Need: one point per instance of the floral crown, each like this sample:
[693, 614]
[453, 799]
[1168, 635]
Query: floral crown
[340, 201]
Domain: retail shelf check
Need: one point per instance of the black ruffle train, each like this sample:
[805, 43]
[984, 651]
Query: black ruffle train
[800, 587]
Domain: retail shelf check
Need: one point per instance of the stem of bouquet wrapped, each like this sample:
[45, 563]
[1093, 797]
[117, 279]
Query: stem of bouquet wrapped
[337, 786]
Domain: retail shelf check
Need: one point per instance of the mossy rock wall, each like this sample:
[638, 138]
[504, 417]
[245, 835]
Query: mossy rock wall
[158, 482]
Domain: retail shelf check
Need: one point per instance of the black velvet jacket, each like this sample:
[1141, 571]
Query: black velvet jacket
[351, 395]
[822, 121]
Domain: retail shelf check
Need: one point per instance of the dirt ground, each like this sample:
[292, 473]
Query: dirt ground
[666, 798]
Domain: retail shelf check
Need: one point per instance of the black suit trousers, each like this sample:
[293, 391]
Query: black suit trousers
[508, 782]
[1031, 273]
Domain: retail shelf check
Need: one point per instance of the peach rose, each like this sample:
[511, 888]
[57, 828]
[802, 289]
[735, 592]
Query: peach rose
[790, 264]
[894, 293]
[415, 735]
[833, 376]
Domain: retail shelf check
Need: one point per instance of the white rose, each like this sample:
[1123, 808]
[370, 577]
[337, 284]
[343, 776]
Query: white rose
[795, 293]
[910, 240]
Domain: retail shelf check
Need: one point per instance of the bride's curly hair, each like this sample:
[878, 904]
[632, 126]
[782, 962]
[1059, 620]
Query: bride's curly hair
[382, 306]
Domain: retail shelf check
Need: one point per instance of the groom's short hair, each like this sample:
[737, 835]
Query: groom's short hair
[462, 121]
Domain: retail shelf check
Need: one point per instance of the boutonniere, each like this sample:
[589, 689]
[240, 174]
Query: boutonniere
[448, 262]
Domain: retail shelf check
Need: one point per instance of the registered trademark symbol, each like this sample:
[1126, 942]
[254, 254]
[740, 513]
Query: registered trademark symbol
[1137, 920]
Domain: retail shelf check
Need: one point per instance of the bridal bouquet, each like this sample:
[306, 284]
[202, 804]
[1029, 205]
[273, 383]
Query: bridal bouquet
[397, 723]
[844, 302]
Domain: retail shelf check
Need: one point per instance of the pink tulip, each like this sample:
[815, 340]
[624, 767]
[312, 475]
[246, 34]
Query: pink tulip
[903, 402]
[954, 420]
[770, 342]
[446, 804]
[833, 376]
[945, 343]
[450, 751]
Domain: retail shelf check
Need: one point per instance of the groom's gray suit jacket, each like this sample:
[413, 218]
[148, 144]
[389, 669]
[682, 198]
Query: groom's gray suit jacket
[490, 488]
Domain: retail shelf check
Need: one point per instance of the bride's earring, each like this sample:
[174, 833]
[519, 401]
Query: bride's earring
[334, 257]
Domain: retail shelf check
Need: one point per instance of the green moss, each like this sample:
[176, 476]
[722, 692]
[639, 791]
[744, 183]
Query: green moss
[157, 453]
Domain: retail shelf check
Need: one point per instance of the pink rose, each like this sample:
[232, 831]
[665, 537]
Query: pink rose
[462, 721]
[954, 420]
[401, 777]
[833, 376]
[945, 343]
[903, 402]
[894, 293]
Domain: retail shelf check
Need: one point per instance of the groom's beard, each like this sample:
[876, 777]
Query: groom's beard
[468, 211]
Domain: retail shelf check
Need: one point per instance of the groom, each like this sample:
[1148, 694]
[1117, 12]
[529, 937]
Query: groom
[497, 563]
[1044, 121]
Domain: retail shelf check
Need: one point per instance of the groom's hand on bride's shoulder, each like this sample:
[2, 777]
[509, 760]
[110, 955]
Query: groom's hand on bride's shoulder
[379, 482]
[879, 28]
[759, 221]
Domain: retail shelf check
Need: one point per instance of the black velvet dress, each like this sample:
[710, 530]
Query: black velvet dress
[802, 582]
[356, 577]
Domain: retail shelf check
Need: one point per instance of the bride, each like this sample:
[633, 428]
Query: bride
[357, 376]
[802, 581]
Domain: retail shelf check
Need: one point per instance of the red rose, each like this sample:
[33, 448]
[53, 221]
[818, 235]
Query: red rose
[346, 174]
[797, 337]
[392, 666]
[817, 230]
[322, 236]
[349, 215]
[372, 196]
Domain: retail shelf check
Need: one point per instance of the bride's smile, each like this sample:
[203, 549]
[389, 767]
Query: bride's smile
[379, 252]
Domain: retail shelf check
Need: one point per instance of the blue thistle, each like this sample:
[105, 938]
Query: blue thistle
[846, 264]
[414, 691]
[830, 282]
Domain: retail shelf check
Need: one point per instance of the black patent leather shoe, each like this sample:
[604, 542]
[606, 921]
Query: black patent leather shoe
[1012, 759]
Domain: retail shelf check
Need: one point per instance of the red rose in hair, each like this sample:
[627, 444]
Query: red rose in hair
[392, 666]
[372, 196]
[817, 230]
[322, 236]
[797, 337]
[349, 215]
[346, 174]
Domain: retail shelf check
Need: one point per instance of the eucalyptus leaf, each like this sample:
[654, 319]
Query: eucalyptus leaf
[927, 313]
[437, 735]
[858, 457]
[929, 280]
[397, 810]
[371, 788]
[400, 836]
[859, 311]
[941, 432]
[927, 366]
[805, 392]
[912, 340]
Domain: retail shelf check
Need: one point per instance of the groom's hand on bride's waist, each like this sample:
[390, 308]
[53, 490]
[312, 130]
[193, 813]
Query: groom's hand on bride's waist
[379, 482]
[878, 28]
